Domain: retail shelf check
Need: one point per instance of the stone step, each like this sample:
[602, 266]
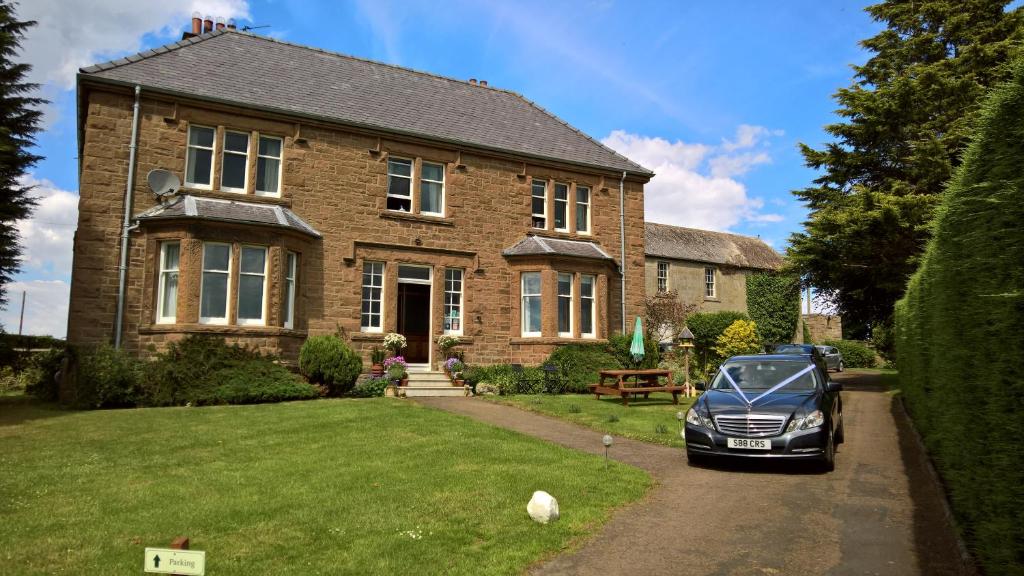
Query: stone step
[428, 377]
[423, 391]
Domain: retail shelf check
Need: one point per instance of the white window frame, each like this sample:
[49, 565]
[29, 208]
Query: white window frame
[710, 277]
[564, 205]
[536, 215]
[291, 274]
[412, 173]
[162, 290]
[663, 268]
[202, 286]
[587, 205]
[592, 304]
[280, 165]
[441, 182]
[262, 320]
[558, 316]
[362, 285]
[224, 152]
[523, 307]
[447, 304]
[213, 155]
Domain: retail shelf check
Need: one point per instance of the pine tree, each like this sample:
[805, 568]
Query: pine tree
[905, 121]
[19, 121]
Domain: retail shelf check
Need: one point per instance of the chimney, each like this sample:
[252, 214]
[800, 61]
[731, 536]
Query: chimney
[472, 81]
[483, 82]
[207, 24]
[231, 24]
[197, 24]
[220, 22]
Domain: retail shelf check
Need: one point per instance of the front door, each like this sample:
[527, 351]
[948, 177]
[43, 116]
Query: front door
[414, 321]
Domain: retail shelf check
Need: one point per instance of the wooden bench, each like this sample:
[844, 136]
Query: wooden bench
[644, 382]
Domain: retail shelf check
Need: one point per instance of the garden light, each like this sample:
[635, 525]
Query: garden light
[607, 441]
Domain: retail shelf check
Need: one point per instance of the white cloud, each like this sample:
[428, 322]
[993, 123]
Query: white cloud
[46, 237]
[46, 307]
[695, 184]
[70, 35]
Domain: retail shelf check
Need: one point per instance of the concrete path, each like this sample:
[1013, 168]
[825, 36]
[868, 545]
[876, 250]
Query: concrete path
[878, 513]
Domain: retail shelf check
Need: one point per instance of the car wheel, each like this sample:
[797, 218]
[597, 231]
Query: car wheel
[840, 433]
[841, 367]
[828, 462]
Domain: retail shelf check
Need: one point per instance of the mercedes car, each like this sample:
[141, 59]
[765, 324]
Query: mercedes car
[767, 406]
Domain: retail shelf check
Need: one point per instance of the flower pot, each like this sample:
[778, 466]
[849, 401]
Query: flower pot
[460, 382]
[403, 382]
[377, 370]
[391, 391]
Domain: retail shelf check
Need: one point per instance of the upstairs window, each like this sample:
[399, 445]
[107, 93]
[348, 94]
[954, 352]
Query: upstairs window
[234, 171]
[432, 189]
[252, 282]
[199, 161]
[453, 301]
[587, 290]
[709, 282]
[583, 209]
[213, 291]
[662, 276]
[562, 207]
[399, 185]
[268, 166]
[539, 204]
[291, 269]
[531, 303]
[565, 305]
[167, 292]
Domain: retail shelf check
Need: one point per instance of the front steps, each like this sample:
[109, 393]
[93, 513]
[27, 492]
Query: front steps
[425, 383]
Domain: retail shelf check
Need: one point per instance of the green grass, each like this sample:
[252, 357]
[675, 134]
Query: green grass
[639, 421]
[374, 486]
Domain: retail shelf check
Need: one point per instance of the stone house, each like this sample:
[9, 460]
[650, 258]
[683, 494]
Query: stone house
[706, 268]
[323, 193]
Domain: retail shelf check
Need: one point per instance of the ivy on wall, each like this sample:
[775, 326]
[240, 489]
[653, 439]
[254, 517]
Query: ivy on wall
[773, 303]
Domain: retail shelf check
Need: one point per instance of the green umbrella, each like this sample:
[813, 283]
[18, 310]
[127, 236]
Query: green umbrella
[637, 347]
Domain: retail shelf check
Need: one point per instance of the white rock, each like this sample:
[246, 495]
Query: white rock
[543, 507]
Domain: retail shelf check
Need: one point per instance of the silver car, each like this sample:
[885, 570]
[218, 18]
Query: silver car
[833, 358]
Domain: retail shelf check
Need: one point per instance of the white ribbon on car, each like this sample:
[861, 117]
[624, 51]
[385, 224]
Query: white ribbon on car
[767, 392]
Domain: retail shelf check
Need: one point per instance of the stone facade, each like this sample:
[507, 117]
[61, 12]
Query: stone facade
[822, 327]
[335, 178]
[687, 278]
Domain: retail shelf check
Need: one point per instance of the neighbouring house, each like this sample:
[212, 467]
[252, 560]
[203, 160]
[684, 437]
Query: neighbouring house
[705, 268]
[322, 192]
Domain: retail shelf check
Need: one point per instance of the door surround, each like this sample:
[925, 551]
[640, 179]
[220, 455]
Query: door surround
[412, 276]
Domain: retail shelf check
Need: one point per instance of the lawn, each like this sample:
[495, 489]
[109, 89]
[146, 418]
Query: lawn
[374, 486]
[651, 420]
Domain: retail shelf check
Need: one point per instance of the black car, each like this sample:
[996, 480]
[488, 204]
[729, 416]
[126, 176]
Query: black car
[809, 349]
[767, 406]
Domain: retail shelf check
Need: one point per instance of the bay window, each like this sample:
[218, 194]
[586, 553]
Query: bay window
[531, 306]
[213, 290]
[291, 268]
[252, 282]
[587, 291]
[565, 305]
[167, 290]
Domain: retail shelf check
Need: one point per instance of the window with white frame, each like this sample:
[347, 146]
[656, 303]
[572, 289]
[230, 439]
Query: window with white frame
[213, 291]
[399, 184]
[531, 303]
[539, 204]
[453, 301]
[167, 292]
[583, 209]
[588, 287]
[562, 207]
[373, 287]
[252, 283]
[268, 166]
[709, 282]
[234, 170]
[662, 276]
[432, 189]
[565, 305]
[291, 269]
[199, 159]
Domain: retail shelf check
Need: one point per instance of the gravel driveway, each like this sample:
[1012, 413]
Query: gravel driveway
[878, 513]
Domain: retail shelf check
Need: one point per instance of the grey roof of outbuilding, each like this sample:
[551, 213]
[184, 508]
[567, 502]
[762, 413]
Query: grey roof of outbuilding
[256, 71]
[677, 243]
[187, 206]
[540, 246]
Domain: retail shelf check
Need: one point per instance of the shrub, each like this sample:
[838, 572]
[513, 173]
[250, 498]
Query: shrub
[40, 375]
[253, 382]
[773, 302]
[808, 339]
[578, 364]
[618, 347]
[855, 354]
[395, 367]
[183, 371]
[10, 381]
[108, 378]
[739, 338]
[706, 328]
[327, 360]
[370, 388]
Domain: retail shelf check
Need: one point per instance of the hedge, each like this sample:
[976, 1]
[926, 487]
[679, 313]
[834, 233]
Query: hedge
[959, 347]
[706, 328]
[773, 302]
[855, 354]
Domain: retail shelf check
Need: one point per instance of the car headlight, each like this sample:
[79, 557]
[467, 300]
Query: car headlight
[812, 420]
[692, 417]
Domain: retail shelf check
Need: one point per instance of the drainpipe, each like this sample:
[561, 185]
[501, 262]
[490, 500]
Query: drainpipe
[127, 227]
[622, 242]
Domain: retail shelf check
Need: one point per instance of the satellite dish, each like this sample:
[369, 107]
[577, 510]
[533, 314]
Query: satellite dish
[162, 182]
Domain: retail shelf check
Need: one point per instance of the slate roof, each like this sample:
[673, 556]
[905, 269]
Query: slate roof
[675, 242]
[255, 71]
[187, 206]
[539, 246]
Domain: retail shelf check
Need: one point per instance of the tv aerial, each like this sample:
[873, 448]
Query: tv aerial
[163, 183]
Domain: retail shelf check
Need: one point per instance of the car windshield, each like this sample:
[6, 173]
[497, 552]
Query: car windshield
[760, 375]
[793, 349]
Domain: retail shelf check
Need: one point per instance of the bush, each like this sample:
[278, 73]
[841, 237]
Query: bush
[618, 347]
[40, 375]
[773, 302]
[183, 372]
[370, 388]
[327, 360]
[108, 378]
[808, 339]
[739, 338]
[253, 382]
[706, 328]
[855, 354]
[578, 364]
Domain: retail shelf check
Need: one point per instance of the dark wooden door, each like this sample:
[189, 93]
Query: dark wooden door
[414, 321]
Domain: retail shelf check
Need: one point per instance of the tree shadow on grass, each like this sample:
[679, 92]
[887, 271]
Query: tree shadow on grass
[15, 410]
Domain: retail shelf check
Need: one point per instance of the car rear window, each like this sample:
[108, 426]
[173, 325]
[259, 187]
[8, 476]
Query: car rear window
[762, 375]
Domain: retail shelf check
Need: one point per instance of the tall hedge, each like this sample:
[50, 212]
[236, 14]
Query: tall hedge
[773, 302]
[960, 348]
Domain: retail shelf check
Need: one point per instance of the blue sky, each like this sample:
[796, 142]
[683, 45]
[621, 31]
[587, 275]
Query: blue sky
[713, 96]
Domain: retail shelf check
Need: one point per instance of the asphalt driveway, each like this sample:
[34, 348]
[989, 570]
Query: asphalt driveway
[878, 513]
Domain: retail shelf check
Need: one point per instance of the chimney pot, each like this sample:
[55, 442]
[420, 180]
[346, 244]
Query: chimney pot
[220, 22]
[483, 82]
[231, 24]
[197, 23]
[208, 24]
[472, 81]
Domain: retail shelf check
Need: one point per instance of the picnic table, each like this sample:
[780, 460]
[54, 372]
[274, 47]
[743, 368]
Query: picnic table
[626, 383]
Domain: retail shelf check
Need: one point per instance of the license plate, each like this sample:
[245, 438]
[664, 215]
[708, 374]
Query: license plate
[749, 443]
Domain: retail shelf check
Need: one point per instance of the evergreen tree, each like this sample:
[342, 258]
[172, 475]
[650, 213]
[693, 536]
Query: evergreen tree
[19, 120]
[905, 120]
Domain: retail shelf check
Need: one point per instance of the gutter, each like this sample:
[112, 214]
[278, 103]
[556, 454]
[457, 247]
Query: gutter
[126, 227]
[622, 245]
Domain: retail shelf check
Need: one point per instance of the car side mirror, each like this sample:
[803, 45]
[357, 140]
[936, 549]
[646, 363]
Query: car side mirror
[702, 386]
[834, 386]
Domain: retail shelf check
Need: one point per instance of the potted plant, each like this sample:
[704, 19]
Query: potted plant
[454, 367]
[377, 358]
[395, 367]
[446, 342]
[395, 343]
